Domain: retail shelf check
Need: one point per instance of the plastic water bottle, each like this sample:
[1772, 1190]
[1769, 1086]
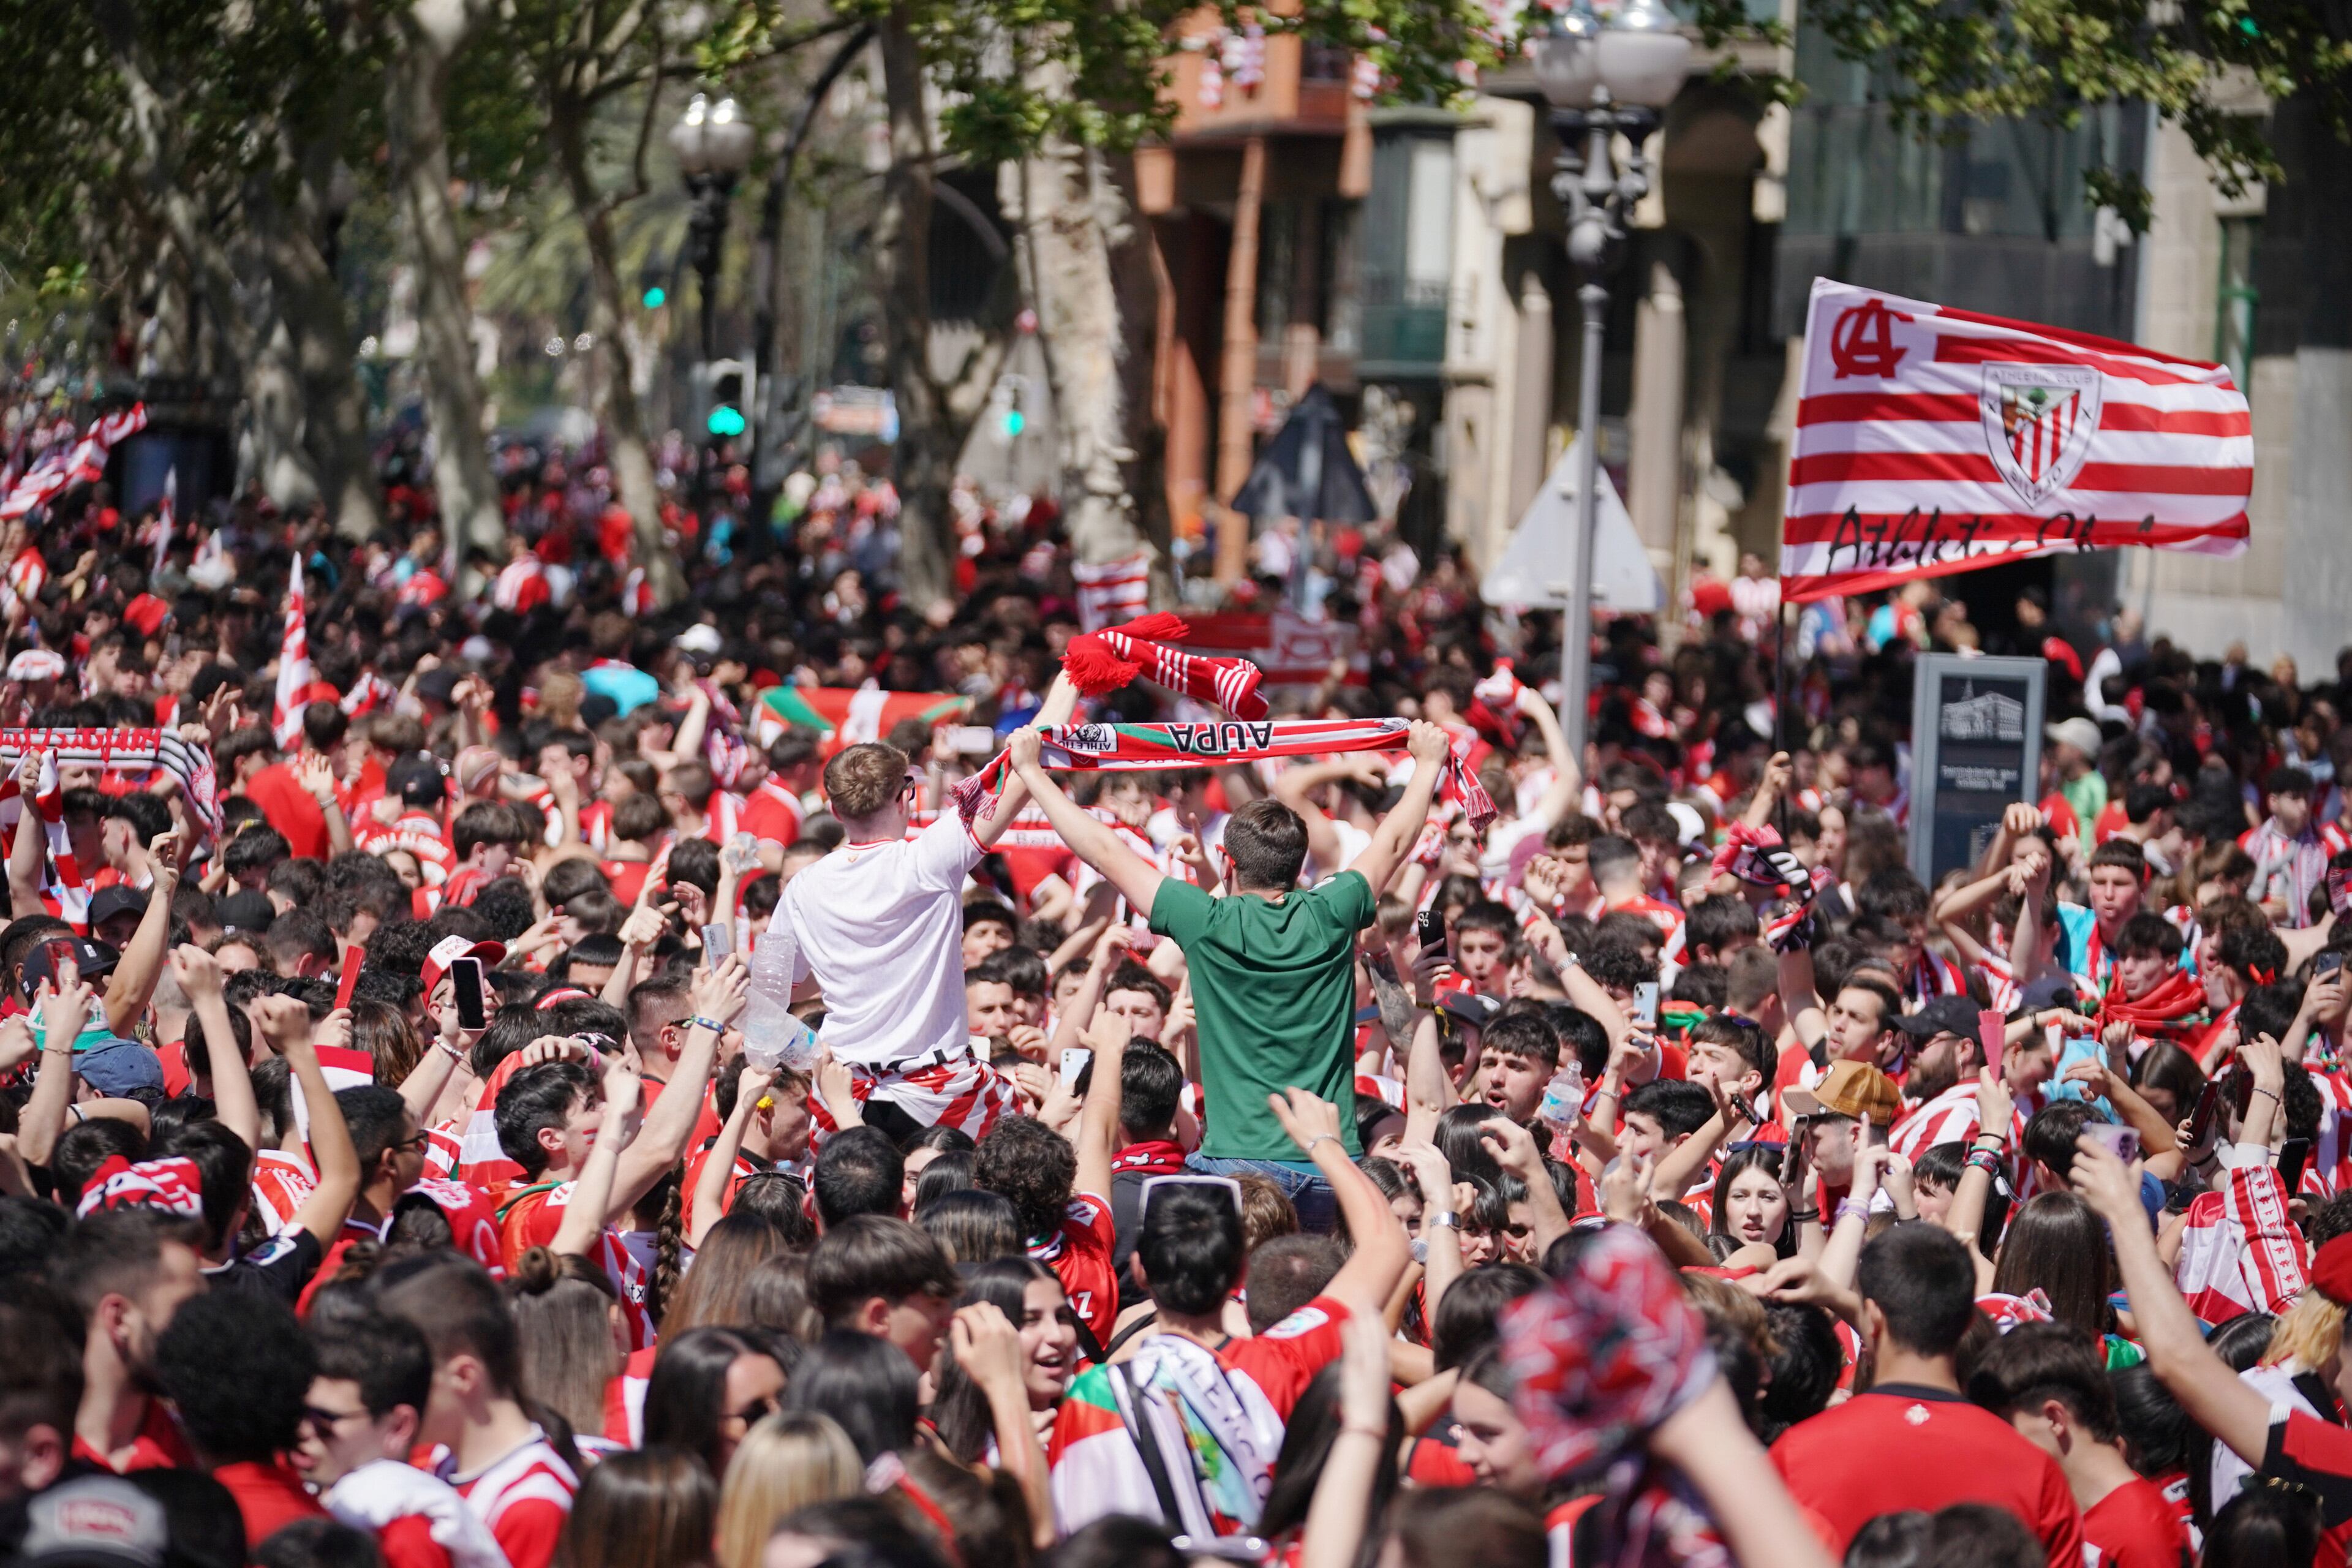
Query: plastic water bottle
[1564, 1095]
[772, 1037]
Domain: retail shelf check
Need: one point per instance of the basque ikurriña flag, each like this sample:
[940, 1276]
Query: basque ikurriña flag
[1930, 440]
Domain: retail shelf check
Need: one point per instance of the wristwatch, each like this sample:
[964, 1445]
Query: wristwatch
[1447, 1217]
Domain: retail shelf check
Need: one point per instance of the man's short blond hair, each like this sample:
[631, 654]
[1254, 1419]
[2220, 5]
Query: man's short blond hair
[861, 780]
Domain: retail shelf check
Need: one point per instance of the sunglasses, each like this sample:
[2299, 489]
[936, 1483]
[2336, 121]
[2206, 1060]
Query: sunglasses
[1153, 1185]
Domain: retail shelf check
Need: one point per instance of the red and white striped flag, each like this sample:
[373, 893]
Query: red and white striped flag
[1113, 591]
[293, 668]
[1931, 440]
[103, 435]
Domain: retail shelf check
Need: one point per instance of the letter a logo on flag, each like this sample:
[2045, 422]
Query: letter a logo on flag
[2038, 423]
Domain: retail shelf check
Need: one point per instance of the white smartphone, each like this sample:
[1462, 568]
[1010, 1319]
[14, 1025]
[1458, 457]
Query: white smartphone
[1645, 1004]
[1074, 1062]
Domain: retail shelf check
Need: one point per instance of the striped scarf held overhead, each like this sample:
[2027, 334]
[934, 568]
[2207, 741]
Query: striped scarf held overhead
[1110, 660]
[1125, 748]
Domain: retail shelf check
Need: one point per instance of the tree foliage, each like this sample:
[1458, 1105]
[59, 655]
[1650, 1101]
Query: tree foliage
[1943, 62]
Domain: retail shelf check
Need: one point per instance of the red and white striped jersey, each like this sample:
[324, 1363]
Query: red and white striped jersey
[2240, 1252]
[1950, 1118]
[523, 1499]
[282, 1183]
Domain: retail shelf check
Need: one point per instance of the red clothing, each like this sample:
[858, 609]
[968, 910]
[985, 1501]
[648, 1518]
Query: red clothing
[407, 1542]
[290, 810]
[269, 1495]
[1904, 1447]
[773, 814]
[158, 1447]
[2133, 1527]
[524, 1498]
[1080, 1255]
[627, 878]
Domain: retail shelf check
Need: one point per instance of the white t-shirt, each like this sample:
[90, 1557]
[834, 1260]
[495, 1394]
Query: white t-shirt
[881, 927]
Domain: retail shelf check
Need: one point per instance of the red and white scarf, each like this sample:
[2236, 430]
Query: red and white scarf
[1108, 659]
[293, 666]
[173, 1184]
[1125, 748]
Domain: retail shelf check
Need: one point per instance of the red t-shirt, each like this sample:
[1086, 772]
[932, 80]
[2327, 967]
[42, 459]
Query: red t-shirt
[289, 809]
[271, 1496]
[1080, 1256]
[2133, 1527]
[773, 814]
[1903, 1447]
[407, 1542]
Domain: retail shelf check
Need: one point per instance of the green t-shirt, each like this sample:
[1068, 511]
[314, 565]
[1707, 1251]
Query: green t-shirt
[1274, 995]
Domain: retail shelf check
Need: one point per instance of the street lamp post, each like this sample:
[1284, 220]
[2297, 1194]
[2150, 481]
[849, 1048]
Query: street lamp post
[1599, 79]
[713, 143]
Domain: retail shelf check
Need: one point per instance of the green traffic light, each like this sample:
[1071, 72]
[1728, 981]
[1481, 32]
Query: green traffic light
[656, 296]
[726, 420]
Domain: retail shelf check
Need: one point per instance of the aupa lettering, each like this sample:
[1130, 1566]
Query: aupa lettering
[1209, 740]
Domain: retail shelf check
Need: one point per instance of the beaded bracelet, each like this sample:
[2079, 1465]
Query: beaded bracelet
[1986, 1160]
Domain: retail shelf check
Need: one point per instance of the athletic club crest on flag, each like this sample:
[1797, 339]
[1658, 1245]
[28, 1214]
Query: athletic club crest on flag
[2038, 423]
[1931, 439]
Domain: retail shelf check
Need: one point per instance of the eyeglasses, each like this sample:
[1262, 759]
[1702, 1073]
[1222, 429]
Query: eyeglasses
[327, 1420]
[423, 1137]
[1161, 1184]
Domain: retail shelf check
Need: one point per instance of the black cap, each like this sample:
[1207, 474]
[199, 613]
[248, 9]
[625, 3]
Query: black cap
[2055, 989]
[417, 779]
[109, 902]
[1944, 1016]
[91, 958]
[247, 913]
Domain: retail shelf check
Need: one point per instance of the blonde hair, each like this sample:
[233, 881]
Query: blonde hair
[786, 1461]
[2309, 1334]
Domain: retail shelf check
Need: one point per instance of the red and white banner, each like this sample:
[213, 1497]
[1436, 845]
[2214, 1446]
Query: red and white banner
[1931, 440]
[60, 469]
[1291, 649]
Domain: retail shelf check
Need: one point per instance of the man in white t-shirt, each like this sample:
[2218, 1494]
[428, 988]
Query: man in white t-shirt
[879, 924]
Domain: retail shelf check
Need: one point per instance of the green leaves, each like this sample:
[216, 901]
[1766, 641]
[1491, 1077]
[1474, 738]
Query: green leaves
[2049, 59]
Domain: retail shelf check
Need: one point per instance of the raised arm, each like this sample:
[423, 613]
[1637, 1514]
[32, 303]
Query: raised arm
[133, 986]
[1380, 1256]
[1060, 700]
[1296, 786]
[1137, 880]
[25, 854]
[1097, 1139]
[1799, 1000]
[718, 998]
[2203, 1382]
[64, 1012]
[1567, 786]
[1400, 830]
[718, 1165]
[287, 1022]
[592, 1199]
[233, 1105]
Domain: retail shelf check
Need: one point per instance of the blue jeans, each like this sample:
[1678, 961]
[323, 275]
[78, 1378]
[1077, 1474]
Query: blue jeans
[1301, 1182]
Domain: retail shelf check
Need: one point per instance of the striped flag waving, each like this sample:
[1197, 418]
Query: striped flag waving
[1930, 440]
[293, 666]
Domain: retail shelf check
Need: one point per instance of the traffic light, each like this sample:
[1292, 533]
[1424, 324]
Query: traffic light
[729, 396]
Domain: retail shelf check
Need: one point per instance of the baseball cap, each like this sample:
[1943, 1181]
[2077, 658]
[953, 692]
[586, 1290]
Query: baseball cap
[1849, 1088]
[1470, 1007]
[109, 902]
[101, 1521]
[2082, 734]
[2055, 989]
[249, 912]
[698, 638]
[449, 950]
[115, 1067]
[1944, 1016]
[88, 957]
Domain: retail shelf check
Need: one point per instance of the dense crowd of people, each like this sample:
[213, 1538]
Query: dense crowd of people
[565, 1081]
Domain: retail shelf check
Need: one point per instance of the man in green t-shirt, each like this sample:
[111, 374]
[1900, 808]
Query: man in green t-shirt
[1271, 963]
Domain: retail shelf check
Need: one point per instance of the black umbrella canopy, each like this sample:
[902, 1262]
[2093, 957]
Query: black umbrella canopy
[1306, 470]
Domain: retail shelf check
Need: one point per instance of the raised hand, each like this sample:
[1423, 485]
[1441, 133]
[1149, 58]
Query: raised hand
[720, 993]
[1305, 1117]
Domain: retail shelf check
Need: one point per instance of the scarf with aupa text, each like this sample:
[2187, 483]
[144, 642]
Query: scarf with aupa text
[1217, 744]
